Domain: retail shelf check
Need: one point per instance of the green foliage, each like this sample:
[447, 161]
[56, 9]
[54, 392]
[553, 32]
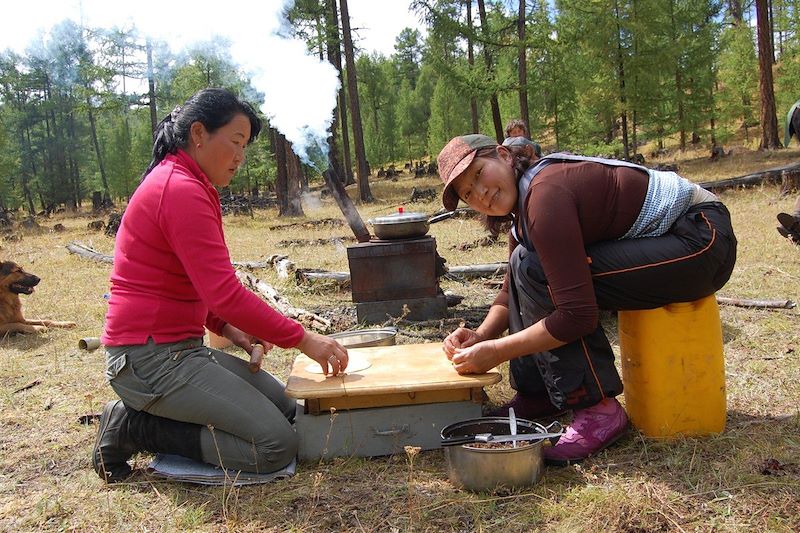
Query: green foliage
[449, 117]
[738, 77]
[597, 71]
[378, 98]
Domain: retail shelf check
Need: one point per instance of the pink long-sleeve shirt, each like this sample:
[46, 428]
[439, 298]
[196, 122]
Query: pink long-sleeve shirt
[172, 271]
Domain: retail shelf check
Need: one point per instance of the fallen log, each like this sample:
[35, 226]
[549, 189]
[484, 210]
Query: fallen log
[250, 265]
[272, 297]
[87, 252]
[768, 304]
[307, 275]
[469, 271]
[30, 385]
[281, 263]
[283, 266]
[771, 175]
[479, 271]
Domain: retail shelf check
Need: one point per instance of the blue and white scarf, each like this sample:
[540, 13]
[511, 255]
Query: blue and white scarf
[668, 195]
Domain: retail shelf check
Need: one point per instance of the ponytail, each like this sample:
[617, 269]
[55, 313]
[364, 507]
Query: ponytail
[164, 141]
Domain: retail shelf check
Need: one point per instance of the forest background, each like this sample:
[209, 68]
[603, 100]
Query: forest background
[598, 77]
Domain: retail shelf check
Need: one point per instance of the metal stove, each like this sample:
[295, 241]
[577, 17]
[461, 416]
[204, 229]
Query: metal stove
[386, 275]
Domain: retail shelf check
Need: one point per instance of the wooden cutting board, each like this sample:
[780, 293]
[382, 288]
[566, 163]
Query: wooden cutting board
[405, 368]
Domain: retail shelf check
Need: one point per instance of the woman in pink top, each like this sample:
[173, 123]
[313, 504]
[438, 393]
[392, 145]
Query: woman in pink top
[172, 278]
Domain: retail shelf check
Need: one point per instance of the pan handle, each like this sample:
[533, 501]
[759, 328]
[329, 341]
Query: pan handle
[441, 216]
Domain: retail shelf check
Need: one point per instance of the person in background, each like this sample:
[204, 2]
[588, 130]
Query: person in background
[789, 225]
[517, 134]
[586, 234]
[172, 276]
[517, 128]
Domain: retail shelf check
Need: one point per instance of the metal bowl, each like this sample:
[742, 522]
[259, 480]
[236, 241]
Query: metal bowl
[364, 338]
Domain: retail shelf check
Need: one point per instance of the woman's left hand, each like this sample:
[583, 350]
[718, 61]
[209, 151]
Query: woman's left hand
[243, 340]
[477, 359]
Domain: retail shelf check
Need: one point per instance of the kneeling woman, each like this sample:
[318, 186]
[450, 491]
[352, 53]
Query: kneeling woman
[173, 276]
[586, 234]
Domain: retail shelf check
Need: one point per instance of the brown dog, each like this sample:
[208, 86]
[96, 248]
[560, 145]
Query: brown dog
[13, 282]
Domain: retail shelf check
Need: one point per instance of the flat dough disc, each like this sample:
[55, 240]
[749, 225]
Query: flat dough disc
[354, 364]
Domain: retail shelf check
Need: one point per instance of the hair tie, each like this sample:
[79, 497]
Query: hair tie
[174, 115]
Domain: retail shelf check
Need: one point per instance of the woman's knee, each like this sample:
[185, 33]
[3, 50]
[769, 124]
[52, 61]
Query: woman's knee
[277, 451]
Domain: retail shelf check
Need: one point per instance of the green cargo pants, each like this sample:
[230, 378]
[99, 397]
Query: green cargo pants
[247, 417]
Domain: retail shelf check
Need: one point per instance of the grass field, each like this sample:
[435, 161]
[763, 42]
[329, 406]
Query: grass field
[746, 479]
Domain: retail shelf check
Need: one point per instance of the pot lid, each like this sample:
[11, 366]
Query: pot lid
[400, 218]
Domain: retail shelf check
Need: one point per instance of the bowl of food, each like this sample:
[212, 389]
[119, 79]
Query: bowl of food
[364, 338]
[490, 457]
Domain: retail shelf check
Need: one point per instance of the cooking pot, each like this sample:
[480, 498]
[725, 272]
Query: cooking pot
[403, 225]
[400, 225]
[476, 467]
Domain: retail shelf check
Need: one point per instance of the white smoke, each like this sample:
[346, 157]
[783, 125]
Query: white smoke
[299, 90]
[299, 96]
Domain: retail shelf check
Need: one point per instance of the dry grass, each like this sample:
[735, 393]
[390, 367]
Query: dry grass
[698, 484]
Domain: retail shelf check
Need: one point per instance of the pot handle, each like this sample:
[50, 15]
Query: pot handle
[554, 427]
[456, 441]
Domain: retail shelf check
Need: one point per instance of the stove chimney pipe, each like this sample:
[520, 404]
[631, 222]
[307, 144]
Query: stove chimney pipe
[349, 211]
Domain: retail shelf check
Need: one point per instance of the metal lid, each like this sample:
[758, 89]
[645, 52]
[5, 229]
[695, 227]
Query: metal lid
[399, 218]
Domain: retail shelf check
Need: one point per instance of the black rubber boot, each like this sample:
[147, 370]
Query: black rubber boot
[113, 447]
[124, 432]
[156, 434]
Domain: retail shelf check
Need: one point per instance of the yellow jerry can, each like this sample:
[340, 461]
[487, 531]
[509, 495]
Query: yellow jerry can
[673, 369]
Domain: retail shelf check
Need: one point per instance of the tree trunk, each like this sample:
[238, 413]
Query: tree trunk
[74, 174]
[712, 121]
[362, 171]
[347, 178]
[523, 67]
[769, 118]
[277, 142]
[24, 178]
[771, 32]
[332, 48]
[340, 113]
[681, 111]
[487, 57]
[96, 144]
[294, 183]
[678, 84]
[151, 89]
[473, 102]
[621, 75]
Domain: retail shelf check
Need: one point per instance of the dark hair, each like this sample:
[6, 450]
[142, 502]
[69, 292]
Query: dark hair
[521, 161]
[517, 123]
[213, 108]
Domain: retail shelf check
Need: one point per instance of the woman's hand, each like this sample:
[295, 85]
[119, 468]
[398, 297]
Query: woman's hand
[478, 358]
[324, 351]
[460, 338]
[243, 340]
